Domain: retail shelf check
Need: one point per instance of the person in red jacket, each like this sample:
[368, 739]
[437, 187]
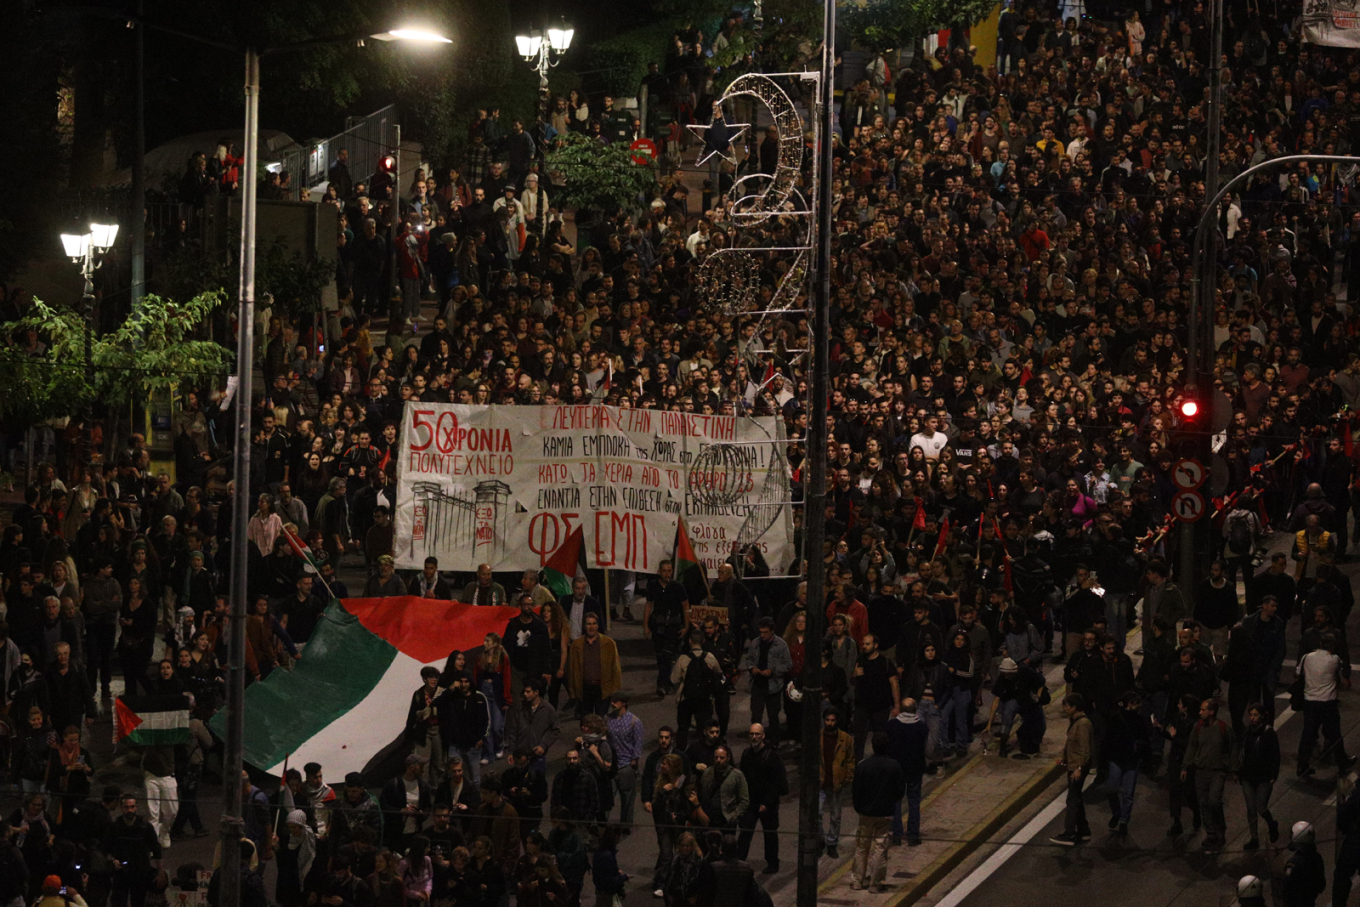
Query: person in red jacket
[412, 253]
[842, 603]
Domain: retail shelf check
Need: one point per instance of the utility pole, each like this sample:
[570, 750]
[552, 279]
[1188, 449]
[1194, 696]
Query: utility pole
[1196, 544]
[138, 225]
[814, 494]
[233, 806]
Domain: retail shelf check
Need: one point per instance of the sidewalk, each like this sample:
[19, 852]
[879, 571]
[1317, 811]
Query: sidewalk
[960, 815]
[963, 813]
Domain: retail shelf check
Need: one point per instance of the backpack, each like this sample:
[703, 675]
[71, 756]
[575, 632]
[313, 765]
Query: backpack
[701, 681]
[1239, 535]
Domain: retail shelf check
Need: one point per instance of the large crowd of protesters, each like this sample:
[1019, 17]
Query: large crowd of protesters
[1011, 270]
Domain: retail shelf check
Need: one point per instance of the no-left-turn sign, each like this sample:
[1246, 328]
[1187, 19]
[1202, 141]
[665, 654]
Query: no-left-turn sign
[1188, 506]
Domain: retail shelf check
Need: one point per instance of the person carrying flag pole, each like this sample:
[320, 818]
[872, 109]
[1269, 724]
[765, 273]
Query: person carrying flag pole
[309, 564]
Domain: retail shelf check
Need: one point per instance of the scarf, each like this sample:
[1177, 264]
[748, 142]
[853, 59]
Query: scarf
[304, 844]
[69, 754]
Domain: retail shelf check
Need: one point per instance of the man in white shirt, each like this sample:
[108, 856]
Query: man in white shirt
[930, 439]
[1323, 671]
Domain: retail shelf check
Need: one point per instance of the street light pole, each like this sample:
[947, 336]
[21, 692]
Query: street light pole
[233, 821]
[139, 165]
[544, 51]
[83, 249]
[814, 495]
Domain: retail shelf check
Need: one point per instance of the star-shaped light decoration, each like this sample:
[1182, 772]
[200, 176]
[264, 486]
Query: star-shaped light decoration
[734, 133]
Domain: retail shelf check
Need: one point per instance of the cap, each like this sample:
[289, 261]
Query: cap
[509, 187]
[416, 759]
[1008, 666]
[619, 696]
[53, 882]
[354, 779]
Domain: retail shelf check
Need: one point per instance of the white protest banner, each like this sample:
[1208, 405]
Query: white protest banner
[506, 485]
[1332, 23]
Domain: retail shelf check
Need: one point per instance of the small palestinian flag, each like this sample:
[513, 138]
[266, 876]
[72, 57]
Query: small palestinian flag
[566, 563]
[685, 559]
[300, 549]
[151, 720]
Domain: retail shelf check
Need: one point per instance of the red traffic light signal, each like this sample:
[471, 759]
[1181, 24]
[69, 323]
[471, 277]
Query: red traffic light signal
[1189, 408]
[388, 164]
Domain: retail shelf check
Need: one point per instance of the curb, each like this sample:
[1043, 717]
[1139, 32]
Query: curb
[973, 839]
[830, 881]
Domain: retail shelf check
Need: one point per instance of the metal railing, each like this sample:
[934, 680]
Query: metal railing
[365, 138]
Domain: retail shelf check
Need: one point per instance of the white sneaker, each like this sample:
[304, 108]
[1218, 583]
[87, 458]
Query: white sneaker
[486, 761]
[658, 893]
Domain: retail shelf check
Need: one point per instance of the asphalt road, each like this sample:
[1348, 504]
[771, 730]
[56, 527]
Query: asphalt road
[1158, 870]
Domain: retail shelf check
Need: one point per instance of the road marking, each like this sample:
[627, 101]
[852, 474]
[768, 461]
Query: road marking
[1036, 825]
[1003, 853]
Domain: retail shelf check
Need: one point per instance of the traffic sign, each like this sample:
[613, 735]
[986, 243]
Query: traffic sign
[644, 152]
[1188, 506]
[1188, 473]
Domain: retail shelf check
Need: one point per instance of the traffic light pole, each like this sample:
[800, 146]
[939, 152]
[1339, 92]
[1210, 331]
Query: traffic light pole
[1200, 351]
[814, 496]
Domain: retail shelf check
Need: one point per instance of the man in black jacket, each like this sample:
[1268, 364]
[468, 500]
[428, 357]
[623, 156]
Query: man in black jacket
[767, 782]
[907, 738]
[405, 802]
[132, 843]
[463, 718]
[526, 788]
[69, 690]
[878, 790]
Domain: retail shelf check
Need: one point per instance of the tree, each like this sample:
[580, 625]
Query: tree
[294, 283]
[882, 25]
[599, 177]
[154, 349]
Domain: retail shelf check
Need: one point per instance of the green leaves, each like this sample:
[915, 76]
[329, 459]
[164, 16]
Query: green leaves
[883, 25]
[154, 349]
[599, 176]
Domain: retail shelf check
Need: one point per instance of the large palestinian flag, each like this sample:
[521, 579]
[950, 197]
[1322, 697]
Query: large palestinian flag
[347, 698]
[151, 720]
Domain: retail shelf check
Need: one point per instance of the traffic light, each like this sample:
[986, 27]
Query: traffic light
[1192, 426]
[388, 164]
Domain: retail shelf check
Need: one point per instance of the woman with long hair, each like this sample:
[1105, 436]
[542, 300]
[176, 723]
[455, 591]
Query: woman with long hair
[671, 810]
[137, 639]
[493, 679]
[417, 872]
[265, 526]
[384, 884]
[685, 876]
[559, 638]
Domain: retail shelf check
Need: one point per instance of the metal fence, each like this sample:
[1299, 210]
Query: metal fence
[366, 138]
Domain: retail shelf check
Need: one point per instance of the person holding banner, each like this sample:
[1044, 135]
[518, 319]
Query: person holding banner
[664, 622]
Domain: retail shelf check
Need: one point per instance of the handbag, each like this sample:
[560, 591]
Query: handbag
[1296, 699]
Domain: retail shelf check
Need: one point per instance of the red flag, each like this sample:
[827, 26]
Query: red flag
[1007, 579]
[919, 523]
[387, 458]
[769, 373]
[944, 534]
[1347, 442]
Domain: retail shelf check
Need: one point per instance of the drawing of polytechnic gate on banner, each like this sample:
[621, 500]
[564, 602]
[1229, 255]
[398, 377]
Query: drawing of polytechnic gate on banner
[506, 485]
